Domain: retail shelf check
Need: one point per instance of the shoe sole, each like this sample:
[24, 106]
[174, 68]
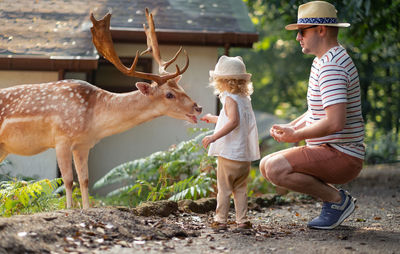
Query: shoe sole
[344, 216]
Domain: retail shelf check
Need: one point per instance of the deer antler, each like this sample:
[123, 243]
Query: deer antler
[152, 46]
[102, 40]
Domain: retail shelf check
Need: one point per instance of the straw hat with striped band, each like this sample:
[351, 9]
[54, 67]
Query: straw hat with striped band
[316, 13]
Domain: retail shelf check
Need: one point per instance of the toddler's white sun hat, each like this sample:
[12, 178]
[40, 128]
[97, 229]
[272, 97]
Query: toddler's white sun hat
[231, 68]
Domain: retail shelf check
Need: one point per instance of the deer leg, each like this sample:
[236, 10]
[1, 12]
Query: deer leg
[81, 166]
[3, 154]
[64, 160]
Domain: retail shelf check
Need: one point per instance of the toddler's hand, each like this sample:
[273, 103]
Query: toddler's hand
[205, 118]
[208, 118]
[207, 140]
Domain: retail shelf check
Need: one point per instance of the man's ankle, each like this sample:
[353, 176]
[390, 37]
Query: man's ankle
[337, 198]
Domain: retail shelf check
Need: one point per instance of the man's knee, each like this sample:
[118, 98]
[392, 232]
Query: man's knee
[276, 168]
[262, 166]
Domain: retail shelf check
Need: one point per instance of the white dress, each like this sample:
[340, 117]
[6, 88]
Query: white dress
[241, 144]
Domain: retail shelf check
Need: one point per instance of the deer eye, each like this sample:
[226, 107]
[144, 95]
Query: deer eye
[169, 95]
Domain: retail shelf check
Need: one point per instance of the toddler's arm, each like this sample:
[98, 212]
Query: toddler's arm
[232, 113]
[208, 118]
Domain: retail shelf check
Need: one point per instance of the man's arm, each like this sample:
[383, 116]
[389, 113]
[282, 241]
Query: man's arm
[333, 122]
[298, 123]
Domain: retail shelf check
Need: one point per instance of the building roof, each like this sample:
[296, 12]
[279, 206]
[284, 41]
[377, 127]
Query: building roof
[55, 34]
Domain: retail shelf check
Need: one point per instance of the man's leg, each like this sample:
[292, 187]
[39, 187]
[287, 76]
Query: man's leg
[278, 170]
[307, 170]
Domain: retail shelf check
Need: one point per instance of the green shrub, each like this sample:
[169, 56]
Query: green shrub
[382, 149]
[183, 171]
[19, 196]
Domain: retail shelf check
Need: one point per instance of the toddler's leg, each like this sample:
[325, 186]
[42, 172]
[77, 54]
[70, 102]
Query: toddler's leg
[241, 171]
[224, 186]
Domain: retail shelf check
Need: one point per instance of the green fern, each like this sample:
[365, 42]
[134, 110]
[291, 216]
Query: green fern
[18, 196]
[193, 187]
[183, 157]
[160, 175]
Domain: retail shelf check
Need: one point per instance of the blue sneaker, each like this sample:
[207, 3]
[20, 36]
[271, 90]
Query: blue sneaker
[333, 214]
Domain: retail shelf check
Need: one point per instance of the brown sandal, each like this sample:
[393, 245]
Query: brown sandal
[245, 225]
[219, 226]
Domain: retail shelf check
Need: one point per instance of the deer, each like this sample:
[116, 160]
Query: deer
[73, 115]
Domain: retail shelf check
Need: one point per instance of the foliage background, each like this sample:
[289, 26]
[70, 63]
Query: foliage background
[280, 70]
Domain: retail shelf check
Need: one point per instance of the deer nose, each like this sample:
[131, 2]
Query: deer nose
[197, 108]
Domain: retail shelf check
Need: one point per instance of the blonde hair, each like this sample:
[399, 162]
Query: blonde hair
[234, 86]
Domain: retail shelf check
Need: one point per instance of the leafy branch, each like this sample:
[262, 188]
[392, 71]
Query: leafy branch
[18, 196]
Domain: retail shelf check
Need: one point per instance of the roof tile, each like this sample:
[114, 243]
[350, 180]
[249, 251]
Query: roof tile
[61, 27]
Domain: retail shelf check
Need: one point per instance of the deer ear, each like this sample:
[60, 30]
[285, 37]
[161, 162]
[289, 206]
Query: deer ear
[178, 78]
[144, 88]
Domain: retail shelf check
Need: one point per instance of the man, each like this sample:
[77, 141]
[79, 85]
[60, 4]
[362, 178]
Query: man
[333, 126]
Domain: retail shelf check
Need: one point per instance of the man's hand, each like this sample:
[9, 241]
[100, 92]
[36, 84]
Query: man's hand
[333, 122]
[284, 133]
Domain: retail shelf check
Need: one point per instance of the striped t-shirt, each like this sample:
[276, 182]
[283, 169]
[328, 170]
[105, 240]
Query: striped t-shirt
[334, 79]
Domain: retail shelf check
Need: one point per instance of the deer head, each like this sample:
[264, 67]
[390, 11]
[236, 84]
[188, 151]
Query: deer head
[171, 98]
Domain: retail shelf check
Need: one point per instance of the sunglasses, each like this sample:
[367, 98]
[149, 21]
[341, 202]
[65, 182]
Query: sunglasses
[301, 30]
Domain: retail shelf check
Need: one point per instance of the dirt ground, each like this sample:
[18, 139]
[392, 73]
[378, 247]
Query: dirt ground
[279, 225]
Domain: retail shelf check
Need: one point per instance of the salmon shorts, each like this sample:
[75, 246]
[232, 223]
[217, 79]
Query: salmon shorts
[323, 162]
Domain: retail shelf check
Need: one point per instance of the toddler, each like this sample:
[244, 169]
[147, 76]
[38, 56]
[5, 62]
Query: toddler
[235, 138]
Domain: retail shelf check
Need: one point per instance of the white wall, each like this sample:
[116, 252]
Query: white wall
[42, 165]
[163, 132]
